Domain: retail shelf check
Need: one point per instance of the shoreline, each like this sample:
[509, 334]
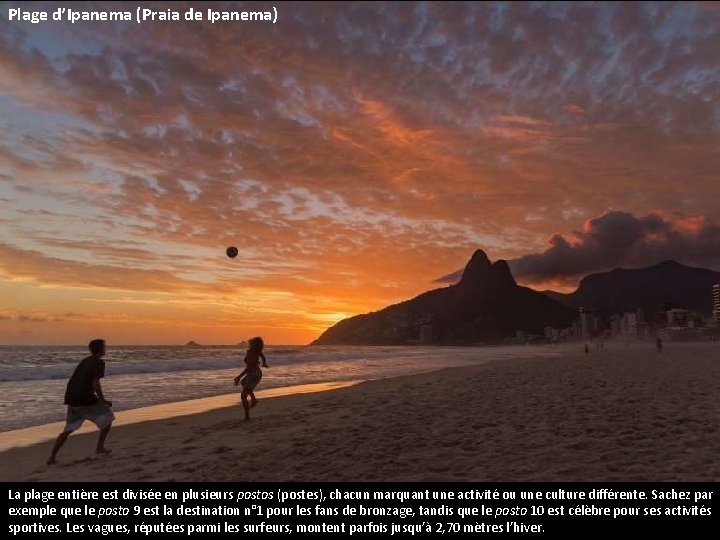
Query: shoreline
[29, 436]
[623, 414]
[137, 390]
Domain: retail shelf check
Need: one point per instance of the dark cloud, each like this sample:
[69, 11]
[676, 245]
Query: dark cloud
[620, 239]
[452, 277]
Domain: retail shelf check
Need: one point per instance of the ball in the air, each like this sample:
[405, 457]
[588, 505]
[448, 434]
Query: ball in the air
[232, 252]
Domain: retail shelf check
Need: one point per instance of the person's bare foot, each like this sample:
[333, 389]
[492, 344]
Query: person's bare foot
[51, 461]
[253, 403]
[103, 451]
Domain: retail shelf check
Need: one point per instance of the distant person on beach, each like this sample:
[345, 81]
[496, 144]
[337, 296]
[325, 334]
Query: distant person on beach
[658, 344]
[251, 375]
[85, 400]
[587, 349]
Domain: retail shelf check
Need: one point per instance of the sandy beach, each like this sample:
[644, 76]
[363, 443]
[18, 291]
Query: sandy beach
[625, 413]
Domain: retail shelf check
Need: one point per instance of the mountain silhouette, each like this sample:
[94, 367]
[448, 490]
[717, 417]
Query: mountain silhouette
[662, 286]
[485, 306]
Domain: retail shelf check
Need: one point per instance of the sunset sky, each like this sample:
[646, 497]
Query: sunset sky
[356, 154]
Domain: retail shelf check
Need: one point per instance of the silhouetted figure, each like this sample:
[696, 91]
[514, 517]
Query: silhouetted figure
[658, 345]
[252, 373]
[587, 349]
[85, 400]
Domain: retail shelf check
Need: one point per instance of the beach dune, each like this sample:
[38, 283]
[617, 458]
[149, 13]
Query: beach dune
[625, 413]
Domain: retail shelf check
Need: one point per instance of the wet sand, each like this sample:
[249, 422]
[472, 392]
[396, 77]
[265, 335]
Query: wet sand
[625, 413]
[48, 432]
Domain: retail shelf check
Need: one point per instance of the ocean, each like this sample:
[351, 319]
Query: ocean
[33, 378]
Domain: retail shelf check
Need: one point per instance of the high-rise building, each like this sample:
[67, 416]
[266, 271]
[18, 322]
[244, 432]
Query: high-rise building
[716, 303]
[629, 325]
[584, 330]
[589, 324]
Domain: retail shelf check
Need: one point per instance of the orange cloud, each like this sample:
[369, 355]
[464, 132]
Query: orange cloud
[574, 108]
[27, 265]
[350, 163]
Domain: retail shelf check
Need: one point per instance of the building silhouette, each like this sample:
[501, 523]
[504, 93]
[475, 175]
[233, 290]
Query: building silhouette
[677, 317]
[588, 325]
[716, 303]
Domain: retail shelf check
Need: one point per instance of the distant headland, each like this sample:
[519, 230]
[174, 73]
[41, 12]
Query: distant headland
[487, 306]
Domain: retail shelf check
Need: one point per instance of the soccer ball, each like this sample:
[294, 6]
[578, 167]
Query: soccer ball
[232, 252]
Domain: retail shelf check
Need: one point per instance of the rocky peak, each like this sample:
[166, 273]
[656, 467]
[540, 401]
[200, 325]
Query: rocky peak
[477, 268]
[480, 272]
[502, 274]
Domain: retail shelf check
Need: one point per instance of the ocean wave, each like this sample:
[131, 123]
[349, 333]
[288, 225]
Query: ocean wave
[136, 366]
[64, 371]
[275, 352]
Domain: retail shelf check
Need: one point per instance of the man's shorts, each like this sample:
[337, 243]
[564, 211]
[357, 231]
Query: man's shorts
[99, 414]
